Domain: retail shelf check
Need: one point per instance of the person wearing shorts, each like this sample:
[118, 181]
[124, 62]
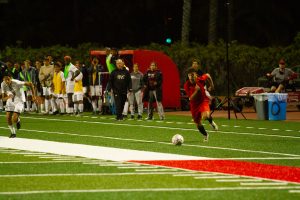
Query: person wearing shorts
[199, 102]
[11, 93]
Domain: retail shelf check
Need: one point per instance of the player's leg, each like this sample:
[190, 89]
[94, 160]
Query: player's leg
[197, 117]
[139, 102]
[131, 104]
[10, 124]
[150, 106]
[160, 108]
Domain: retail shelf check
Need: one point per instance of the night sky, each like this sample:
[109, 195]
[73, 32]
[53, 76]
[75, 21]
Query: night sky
[119, 23]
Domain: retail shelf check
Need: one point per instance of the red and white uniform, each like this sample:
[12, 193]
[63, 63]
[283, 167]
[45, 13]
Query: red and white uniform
[200, 103]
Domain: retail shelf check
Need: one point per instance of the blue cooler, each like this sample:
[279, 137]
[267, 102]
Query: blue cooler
[277, 103]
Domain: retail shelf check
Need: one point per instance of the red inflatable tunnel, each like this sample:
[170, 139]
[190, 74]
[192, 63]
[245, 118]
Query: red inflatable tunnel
[171, 80]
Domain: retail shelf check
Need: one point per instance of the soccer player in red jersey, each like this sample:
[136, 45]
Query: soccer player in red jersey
[199, 102]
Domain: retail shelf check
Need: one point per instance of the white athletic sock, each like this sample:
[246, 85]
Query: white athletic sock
[94, 105]
[100, 104]
[75, 107]
[12, 129]
[47, 102]
[1, 104]
[80, 107]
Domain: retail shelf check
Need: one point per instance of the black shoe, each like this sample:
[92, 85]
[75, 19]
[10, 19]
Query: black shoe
[18, 124]
[12, 136]
[139, 117]
[124, 116]
[55, 112]
[132, 117]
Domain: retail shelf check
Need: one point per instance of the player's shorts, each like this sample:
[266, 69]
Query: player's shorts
[197, 112]
[58, 95]
[96, 90]
[47, 91]
[70, 87]
[77, 97]
[14, 106]
[84, 89]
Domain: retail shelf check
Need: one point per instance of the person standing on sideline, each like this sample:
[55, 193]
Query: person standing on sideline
[153, 90]
[120, 83]
[136, 95]
[58, 87]
[78, 92]
[11, 93]
[199, 102]
[95, 89]
[46, 77]
[70, 73]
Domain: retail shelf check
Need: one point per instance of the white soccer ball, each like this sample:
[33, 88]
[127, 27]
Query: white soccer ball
[177, 139]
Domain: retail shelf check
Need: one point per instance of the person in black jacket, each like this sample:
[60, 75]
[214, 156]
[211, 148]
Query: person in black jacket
[120, 83]
[153, 90]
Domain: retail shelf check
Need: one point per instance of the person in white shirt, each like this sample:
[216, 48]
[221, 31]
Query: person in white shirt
[11, 93]
[70, 73]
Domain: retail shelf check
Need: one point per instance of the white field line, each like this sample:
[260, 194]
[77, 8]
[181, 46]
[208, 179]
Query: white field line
[159, 127]
[157, 170]
[294, 191]
[264, 183]
[96, 174]
[238, 180]
[138, 167]
[38, 162]
[198, 174]
[89, 151]
[216, 177]
[165, 143]
[150, 190]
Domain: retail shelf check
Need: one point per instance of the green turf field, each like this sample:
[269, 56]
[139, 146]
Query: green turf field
[33, 175]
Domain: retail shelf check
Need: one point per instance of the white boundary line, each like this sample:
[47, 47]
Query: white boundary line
[160, 127]
[151, 190]
[166, 143]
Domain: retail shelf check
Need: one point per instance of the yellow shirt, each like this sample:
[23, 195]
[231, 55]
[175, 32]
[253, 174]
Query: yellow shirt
[78, 83]
[58, 79]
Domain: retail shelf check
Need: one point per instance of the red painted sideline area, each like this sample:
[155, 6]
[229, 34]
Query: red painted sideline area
[275, 172]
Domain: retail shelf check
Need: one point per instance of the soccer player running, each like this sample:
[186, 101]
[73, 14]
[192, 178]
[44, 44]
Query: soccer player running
[199, 102]
[11, 93]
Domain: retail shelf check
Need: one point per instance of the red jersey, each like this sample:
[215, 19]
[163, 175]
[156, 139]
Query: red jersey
[201, 102]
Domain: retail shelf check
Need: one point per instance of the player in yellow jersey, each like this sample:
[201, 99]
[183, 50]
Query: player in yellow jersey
[58, 88]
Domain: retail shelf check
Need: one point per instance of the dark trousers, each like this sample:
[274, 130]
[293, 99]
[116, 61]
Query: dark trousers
[120, 100]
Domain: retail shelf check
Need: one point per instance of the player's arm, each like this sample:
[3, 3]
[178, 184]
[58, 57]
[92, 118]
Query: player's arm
[31, 85]
[210, 83]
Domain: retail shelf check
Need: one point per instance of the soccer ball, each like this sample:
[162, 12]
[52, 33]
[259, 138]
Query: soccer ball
[177, 139]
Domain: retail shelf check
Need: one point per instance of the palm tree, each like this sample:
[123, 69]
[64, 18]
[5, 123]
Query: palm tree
[185, 29]
[212, 24]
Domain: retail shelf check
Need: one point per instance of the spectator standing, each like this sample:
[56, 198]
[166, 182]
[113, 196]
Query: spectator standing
[46, 77]
[70, 73]
[136, 95]
[120, 83]
[58, 87]
[153, 80]
[78, 92]
[96, 82]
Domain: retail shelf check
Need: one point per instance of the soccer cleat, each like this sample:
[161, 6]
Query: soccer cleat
[214, 126]
[139, 116]
[205, 139]
[131, 116]
[18, 124]
[12, 136]
[149, 118]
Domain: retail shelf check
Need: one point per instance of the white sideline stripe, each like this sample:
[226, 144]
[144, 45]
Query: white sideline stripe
[149, 141]
[96, 174]
[215, 177]
[158, 127]
[157, 170]
[38, 162]
[264, 183]
[138, 167]
[294, 191]
[238, 180]
[198, 174]
[88, 151]
[150, 190]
